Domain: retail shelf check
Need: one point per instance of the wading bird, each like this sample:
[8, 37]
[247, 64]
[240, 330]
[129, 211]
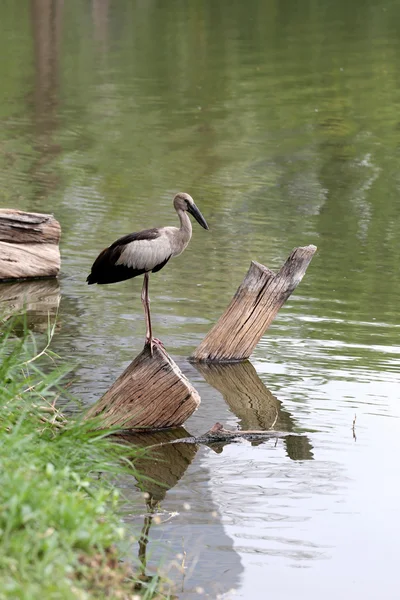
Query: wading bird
[144, 251]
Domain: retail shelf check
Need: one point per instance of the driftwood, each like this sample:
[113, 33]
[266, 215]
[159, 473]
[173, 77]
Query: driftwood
[28, 245]
[252, 309]
[152, 393]
[218, 434]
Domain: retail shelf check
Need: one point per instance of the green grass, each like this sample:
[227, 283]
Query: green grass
[60, 531]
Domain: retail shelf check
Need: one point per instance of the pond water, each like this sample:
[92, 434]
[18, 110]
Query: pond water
[281, 119]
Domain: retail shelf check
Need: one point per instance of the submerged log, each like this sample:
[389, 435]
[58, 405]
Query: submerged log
[218, 434]
[252, 309]
[152, 393]
[28, 245]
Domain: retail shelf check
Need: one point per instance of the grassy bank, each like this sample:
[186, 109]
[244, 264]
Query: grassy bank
[59, 525]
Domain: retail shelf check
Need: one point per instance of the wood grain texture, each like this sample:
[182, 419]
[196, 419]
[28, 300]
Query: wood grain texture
[252, 309]
[27, 261]
[20, 227]
[152, 393]
[28, 245]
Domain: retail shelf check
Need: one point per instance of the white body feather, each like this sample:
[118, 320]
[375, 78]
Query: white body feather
[147, 254]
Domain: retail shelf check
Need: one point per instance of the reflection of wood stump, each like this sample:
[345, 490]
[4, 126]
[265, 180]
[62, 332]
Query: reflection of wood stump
[39, 300]
[254, 404]
[299, 448]
[245, 394]
[28, 245]
[152, 393]
[252, 309]
[162, 466]
[160, 469]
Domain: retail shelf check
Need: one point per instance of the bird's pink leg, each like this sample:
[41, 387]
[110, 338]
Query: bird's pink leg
[146, 305]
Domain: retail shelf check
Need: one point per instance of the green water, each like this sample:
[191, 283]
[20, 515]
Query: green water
[281, 119]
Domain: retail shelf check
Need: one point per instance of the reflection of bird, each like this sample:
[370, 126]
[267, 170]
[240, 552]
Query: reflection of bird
[144, 251]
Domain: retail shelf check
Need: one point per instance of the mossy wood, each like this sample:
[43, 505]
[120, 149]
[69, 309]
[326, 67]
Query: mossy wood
[252, 309]
[28, 245]
[152, 393]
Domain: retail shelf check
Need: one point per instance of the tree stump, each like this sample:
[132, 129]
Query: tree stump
[28, 245]
[252, 309]
[152, 393]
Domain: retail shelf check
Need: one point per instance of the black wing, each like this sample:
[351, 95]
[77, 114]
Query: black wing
[105, 270]
[146, 234]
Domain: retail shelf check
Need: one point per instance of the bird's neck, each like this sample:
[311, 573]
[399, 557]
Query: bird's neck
[186, 225]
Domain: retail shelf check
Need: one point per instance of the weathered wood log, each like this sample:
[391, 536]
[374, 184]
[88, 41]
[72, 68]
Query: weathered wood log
[28, 245]
[37, 300]
[20, 227]
[254, 404]
[252, 309]
[152, 393]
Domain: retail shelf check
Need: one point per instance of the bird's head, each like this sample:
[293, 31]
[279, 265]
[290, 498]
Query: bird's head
[185, 202]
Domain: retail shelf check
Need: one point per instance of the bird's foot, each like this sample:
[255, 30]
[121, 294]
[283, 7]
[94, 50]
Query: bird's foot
[150, 343]
[153, 342]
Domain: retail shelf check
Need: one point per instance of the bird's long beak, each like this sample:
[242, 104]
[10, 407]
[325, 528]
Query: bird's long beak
[197, 215]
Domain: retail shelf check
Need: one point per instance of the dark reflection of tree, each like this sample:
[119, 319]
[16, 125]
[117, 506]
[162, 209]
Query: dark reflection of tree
[167, 464]
[46, 19]
[39, 300]
[253, 403]
[100, 10]
[217, 80]
[159, 470]
[151, 506]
